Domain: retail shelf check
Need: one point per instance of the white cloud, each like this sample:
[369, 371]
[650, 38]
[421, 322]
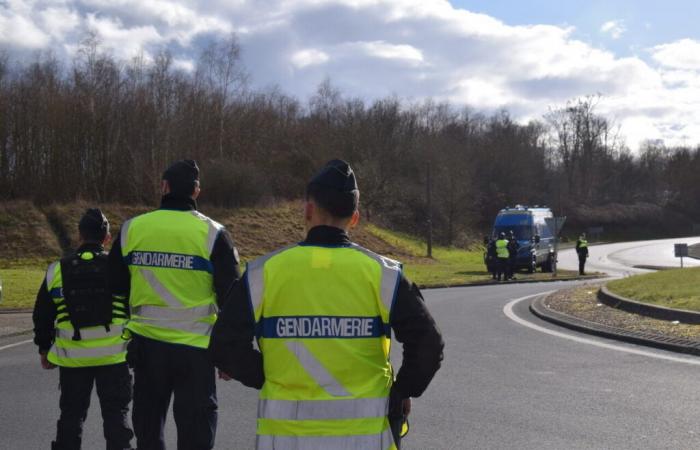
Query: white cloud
[308, 57]
[126, 42]
[373, 48]
[683, 54]
[187, 65]
[384, 50]
[615, 28]
[17, 29]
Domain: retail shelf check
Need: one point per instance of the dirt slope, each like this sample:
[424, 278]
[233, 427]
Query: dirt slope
[255, 231]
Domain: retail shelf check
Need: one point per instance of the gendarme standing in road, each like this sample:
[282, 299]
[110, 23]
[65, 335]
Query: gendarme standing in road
[78, 327]
[175, 266]
[582, 251]
[322, 312]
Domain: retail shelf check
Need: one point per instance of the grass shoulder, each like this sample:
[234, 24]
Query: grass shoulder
[449, 266]
[674, 288]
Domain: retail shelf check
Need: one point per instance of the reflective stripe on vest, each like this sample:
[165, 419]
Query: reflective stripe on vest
[502, 248]
[583, 243]
[322, 318]
[97, 346]
[172, 287]
[323, 409]
[383, 441]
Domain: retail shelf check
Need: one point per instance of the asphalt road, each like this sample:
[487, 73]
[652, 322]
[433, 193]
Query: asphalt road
[509, 381]
[620, 259]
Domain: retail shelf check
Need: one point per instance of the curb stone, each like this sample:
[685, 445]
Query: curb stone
[16, 311]
[541, 310]
[645, 309]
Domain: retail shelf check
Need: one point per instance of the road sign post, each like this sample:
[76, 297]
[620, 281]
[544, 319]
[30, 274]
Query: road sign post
[555, 224]
[680, 250]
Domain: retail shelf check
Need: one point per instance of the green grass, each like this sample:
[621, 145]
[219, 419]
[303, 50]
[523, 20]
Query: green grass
[676, 288]
[449, 266]
[20, 285]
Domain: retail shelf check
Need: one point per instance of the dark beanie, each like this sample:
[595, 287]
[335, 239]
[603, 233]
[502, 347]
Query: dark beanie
[336, 174]
[93, 224]
[181, 175]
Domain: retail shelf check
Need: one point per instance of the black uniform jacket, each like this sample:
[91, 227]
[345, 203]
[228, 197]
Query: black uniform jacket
[224, 257]
[232, 338]
[45, 312]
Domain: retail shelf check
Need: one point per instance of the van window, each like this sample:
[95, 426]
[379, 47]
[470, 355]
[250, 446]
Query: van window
[522, 232]
[543, 231]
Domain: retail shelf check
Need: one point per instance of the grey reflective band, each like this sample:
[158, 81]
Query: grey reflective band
[380, 441]
[214, 229]
[174, 314]
[391, 274]
[163, 292]
[124, 234]
[50, 274]
[314, 368]
[91, 333]
[92, 352]
[323, 409]
[198, 328]
[254, 275]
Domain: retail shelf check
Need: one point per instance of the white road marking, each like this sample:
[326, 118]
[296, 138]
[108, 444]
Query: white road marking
[16, 344]
[508, 311]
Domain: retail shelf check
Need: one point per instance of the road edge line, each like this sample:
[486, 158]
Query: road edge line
[510, 314]
[16, 344]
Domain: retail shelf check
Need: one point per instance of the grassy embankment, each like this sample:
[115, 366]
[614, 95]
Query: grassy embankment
[675, 288]
[30, 238]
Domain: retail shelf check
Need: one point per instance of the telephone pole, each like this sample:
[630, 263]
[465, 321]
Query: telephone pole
[428, 186]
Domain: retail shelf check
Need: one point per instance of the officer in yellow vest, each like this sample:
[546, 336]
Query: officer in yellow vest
[582, 252]
[175, 266]
[322, 312]
[502, 256]
[78, 327]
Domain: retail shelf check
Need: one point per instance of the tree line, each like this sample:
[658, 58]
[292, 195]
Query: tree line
[103, 130]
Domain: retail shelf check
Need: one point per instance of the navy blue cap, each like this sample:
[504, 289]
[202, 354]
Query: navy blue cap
[183, 171]
[93, 222]
[336, 174]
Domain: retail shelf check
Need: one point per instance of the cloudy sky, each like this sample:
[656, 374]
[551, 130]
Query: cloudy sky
[643, 56]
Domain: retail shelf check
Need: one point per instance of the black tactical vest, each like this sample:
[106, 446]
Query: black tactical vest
[85, 290]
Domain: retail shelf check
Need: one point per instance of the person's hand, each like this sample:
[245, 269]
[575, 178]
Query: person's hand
[45, 363]
[406, 406]
[224, 376]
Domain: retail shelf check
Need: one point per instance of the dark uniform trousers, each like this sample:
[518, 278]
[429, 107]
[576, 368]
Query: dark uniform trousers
[113, 384]
[582, 263]
[162, 370]
[501, 268]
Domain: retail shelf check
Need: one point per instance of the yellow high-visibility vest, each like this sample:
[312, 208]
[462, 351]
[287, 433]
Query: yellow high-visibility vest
[172, 296]
[322, 317]
[502, 248]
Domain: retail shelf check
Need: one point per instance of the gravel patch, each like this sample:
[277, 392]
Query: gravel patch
[582, 302]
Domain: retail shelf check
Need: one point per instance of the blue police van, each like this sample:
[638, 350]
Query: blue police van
[534, 238]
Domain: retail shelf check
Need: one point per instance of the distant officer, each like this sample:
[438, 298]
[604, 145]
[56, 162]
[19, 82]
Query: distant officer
[582, 251]
[513, 247]
[492, 262]
[322, 312]
[175, 266]
[78, 327]
[502, 256]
